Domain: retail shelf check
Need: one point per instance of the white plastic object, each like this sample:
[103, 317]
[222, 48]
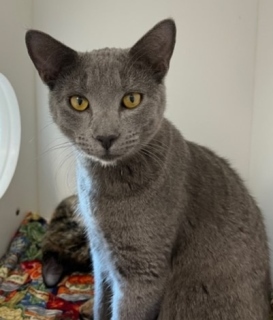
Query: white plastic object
[10, 133]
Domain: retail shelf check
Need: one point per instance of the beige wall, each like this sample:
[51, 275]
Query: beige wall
[261, 168]
[15, 17]
[210, 83]
[210, 86]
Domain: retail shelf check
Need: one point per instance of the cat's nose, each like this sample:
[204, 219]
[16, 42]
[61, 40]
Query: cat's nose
[107, 141]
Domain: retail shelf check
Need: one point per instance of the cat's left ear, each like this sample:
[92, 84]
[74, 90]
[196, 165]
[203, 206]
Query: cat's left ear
[49, 56]
[155, 48]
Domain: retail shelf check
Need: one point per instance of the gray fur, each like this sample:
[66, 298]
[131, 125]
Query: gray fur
[174, 232]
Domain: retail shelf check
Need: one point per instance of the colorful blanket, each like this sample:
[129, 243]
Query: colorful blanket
[23, 294]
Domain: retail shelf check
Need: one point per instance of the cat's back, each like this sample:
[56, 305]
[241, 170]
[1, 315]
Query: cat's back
[222, 247]
[223, 221]
[214, 191]
[215, 186]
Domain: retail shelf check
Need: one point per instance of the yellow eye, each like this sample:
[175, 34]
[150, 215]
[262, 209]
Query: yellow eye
[79, 103]
[131, 100]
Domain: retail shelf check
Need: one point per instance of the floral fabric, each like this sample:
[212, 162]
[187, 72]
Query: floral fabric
[23, 294]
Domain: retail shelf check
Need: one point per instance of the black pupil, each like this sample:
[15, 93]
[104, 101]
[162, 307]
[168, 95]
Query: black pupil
[132, 98]
[80, 100]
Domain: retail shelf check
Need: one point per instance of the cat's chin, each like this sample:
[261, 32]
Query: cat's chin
[106, 160]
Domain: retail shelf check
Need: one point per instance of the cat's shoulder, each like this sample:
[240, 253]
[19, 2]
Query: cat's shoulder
[200, 158]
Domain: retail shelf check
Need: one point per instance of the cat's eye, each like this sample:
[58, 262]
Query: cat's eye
[79, 103]
[131, 100]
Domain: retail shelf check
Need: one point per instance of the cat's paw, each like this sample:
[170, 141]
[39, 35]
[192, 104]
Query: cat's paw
[86, 310]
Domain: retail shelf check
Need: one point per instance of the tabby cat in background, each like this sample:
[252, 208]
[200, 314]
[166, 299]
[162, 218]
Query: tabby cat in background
[174, 232]
[64, 247]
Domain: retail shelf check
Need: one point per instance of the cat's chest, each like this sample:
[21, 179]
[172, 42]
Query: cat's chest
[106, 219]
[122, 225]
[117, 221]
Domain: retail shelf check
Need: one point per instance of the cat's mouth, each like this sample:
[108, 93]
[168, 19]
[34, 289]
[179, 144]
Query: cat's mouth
[105, 158]
[109, 157]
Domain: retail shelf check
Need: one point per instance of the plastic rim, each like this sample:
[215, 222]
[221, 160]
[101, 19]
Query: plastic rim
[10, 133]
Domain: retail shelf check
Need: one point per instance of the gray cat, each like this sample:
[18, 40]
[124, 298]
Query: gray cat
[173, 230]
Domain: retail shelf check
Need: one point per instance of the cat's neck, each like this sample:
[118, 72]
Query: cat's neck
[145, 169]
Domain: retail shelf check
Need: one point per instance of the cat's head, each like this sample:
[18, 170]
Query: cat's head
[108, 102]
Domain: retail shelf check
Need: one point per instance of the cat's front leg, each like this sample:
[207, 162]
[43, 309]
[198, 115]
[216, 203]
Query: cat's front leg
[100, 308]
[102, 291]
[137, 300]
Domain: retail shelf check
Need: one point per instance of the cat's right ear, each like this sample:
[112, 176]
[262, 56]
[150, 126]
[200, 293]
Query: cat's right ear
[154, 50]
[49, 56]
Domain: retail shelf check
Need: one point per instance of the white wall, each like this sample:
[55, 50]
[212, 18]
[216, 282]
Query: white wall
[15, 17]
[210, 86]
[261, 168]
[210, 83]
